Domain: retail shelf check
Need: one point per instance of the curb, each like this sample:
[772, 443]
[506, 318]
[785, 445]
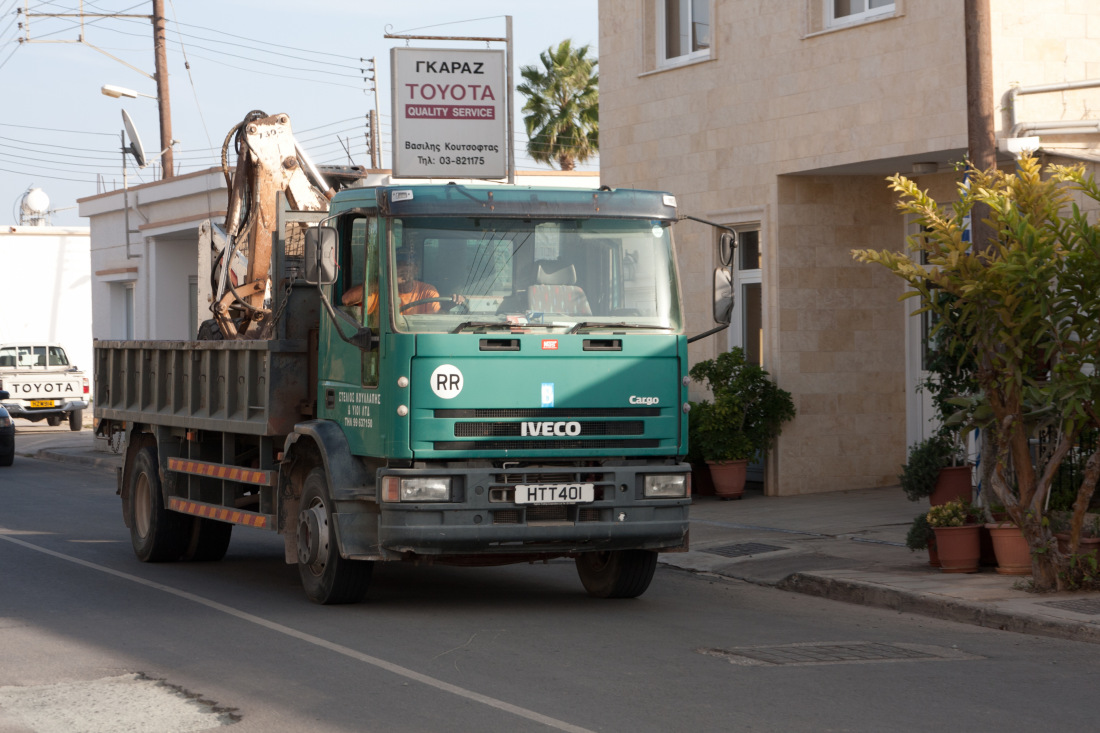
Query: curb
[947, 609]
[48, 454]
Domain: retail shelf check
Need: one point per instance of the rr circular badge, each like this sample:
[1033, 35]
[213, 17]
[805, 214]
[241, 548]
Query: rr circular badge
[446, 381]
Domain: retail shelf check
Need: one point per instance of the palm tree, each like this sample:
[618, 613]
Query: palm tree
[563, 107]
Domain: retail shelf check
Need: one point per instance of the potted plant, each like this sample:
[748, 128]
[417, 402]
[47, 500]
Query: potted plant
[1010, 547]
[1089, 540]
[921, 537]
[927, 472]
[740, 424]
[957, 540]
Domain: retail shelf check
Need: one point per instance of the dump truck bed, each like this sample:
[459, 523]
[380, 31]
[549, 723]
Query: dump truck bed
[247, 387]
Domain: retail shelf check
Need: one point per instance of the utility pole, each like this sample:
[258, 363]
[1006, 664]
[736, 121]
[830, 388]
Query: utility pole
[982, 147]
[164, 103]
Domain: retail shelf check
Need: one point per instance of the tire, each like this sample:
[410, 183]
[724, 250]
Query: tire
[157, 534]
[208, 540]
[76, 420]
[53, 420]
[209, 330]
[327, 578]
[618, 573]
[6, 459]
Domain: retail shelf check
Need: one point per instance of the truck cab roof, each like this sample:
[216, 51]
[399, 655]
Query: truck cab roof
[483, 200]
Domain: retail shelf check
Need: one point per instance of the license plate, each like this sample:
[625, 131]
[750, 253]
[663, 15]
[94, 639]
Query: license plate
[42, 403]
[554, 493]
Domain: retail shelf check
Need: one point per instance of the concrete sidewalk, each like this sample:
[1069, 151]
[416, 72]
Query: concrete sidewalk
[847, 546]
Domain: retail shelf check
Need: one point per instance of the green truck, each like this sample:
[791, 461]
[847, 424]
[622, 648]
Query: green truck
[462, 374]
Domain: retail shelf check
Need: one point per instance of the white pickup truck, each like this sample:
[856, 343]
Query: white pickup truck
[42, 385]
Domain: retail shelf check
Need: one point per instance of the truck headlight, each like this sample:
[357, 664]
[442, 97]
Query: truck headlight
[416, 489]
[666, 486]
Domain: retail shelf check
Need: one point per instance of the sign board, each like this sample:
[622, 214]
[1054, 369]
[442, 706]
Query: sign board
[449, 113]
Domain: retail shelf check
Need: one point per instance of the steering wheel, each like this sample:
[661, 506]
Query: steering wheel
[422, 301]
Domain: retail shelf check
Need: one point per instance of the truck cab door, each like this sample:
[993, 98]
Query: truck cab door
[348, 376]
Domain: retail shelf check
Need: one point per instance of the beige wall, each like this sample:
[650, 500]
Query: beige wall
[795, 127]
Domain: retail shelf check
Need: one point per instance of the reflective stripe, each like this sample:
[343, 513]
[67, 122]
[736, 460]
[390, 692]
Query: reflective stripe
[218, 470]
[209, 511]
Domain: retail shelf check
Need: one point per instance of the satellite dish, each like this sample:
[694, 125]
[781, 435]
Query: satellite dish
[135, 148]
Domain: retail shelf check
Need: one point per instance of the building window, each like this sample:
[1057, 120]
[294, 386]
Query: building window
[683, 31]
[848, 12]
[748, 308]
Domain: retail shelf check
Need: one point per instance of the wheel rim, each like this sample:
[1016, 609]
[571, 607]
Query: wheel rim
[598, 561]
[313, 537]
[143, 506]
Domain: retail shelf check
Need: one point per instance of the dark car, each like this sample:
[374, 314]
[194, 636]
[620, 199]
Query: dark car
[7, 434]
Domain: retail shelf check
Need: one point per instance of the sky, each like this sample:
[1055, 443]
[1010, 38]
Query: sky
[58, 132]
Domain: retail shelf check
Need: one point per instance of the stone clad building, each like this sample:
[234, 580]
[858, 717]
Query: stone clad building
[783, 119]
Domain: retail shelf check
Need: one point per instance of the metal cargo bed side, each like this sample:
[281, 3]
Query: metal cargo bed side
[216, 413]
[249, 387]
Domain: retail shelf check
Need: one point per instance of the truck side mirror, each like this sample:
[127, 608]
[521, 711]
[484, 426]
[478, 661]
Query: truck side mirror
[723, 295]
[320, 256]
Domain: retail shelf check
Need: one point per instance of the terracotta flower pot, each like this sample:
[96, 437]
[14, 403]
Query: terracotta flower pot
[728, 478]
[1088, 544]
[954, 482]
[958, 548]
[1013, 553]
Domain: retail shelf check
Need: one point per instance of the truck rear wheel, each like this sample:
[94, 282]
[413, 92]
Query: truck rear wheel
[326, 577]
[209, 540]
[53, 420]
[76, 420]
[616, 573]
[156, 533]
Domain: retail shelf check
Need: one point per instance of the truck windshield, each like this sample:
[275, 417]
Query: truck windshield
[470, 273]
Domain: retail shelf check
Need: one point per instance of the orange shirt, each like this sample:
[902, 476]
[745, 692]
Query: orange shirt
[418, 291]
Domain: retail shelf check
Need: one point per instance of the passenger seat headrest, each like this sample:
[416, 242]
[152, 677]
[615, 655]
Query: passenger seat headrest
[554, 273]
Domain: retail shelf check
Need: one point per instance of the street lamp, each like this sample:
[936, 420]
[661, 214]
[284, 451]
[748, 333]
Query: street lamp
[115, 92]
[110, 90]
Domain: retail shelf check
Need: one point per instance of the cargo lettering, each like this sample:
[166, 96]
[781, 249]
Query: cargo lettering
[549, 428]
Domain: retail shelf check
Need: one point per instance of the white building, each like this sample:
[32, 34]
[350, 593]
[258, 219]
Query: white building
[47, 289]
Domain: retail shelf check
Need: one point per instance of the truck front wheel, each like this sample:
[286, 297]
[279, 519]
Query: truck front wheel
[156, 533]
[53, 420]
[326, 577]
[616, 573]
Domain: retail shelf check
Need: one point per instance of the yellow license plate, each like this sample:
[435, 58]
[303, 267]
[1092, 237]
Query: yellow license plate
[42, 403]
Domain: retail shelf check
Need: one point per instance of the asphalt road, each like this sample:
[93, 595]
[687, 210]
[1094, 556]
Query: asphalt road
[520, 648]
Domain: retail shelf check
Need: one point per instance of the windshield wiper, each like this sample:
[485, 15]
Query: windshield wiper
[503, 325]
[598, 324]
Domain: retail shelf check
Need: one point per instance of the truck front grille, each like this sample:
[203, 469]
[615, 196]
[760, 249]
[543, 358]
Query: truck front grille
[545, 413]
[508, 429]
[544, 444]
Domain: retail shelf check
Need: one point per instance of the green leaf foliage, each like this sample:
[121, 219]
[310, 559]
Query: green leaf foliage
[747, 412]
[563, 106]
[1022, 310]
[926, 458]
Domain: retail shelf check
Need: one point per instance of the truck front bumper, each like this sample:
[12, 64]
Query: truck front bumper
[481, 520]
